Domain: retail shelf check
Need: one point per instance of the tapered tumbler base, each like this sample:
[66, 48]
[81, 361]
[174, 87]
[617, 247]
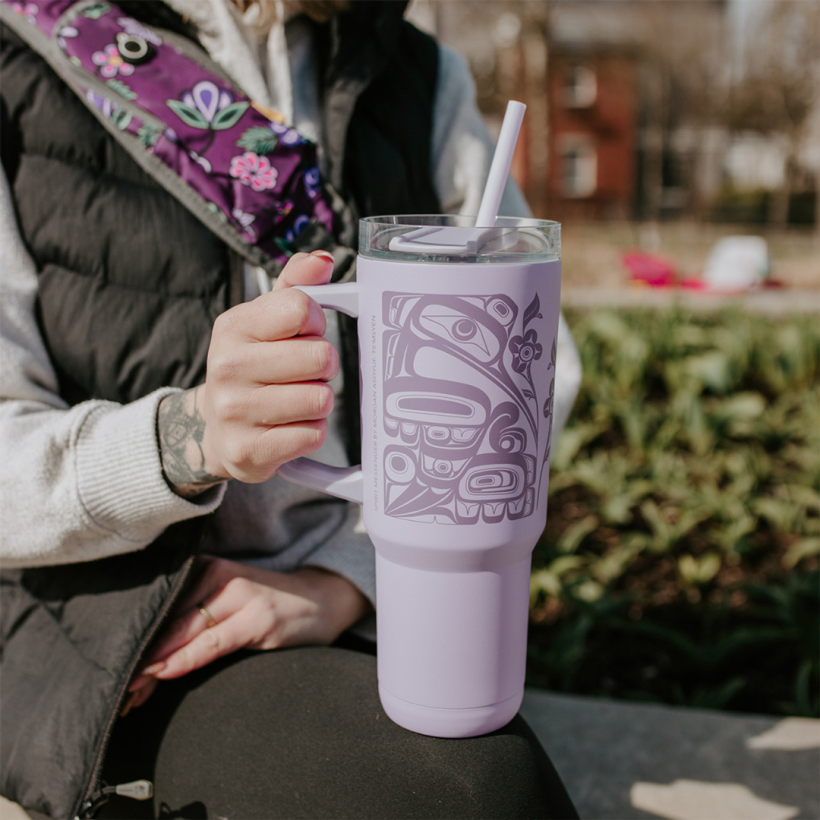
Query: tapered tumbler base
[428, 720]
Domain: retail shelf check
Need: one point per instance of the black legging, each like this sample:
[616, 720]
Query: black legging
[300, 733]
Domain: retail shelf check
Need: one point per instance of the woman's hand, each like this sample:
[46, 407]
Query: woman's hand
[252, 609]
[265, 399]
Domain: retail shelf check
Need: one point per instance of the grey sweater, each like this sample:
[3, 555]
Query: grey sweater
[85, 482]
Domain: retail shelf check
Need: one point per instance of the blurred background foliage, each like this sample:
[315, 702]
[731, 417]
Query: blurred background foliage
[680, 559]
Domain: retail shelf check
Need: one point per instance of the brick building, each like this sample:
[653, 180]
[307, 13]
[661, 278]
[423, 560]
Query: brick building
[610, 132]
[593, 104]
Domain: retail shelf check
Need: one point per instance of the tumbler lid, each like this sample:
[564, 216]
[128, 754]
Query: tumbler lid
[440, 238]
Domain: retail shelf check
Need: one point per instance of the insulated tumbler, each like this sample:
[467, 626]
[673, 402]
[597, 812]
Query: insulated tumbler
[457, 336]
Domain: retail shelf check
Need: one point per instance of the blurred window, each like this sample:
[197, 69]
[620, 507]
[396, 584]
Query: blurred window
[580, 87]
[579, 166]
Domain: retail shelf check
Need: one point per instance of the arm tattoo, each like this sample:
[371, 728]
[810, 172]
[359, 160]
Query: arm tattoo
[180, 430]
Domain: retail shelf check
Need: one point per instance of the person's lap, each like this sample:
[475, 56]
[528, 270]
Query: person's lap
[301, 733]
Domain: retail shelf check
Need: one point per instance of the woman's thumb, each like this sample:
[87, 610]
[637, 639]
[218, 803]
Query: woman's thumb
[306, 269]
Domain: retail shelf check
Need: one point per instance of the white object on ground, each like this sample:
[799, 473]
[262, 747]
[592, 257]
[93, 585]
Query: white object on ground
[788, 735]
[737, 263]
[695, 800]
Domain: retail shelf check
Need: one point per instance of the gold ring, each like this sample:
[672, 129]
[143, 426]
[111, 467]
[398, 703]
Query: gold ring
[205, 612]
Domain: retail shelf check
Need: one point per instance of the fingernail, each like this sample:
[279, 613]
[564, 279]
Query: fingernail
[154, 668]
[324, 254]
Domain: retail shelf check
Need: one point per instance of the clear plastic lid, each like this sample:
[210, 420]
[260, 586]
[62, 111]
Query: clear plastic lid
[437, 238]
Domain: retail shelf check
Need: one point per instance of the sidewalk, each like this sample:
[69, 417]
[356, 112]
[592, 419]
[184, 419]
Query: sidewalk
[627, 761]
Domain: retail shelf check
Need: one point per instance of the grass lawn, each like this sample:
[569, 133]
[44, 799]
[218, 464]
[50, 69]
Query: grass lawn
[680, 559]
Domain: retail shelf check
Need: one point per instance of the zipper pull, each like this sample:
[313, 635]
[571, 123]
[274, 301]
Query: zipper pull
[136, 790]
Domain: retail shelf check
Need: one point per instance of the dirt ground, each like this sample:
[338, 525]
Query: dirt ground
[592, 252]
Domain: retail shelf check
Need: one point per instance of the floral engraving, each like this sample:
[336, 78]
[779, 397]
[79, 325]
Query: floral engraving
[525, 351]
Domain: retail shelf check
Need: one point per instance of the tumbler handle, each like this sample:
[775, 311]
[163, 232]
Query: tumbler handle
[344, 482]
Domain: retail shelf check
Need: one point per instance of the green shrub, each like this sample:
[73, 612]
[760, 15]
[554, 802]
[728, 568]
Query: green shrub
[680, 559]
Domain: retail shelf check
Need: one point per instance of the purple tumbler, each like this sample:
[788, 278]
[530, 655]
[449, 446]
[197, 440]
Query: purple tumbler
[457, 337]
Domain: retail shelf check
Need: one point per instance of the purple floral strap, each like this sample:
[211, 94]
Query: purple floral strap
[252, 172]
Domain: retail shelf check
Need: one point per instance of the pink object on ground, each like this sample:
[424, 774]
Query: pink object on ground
[736, 264]
[650, 270]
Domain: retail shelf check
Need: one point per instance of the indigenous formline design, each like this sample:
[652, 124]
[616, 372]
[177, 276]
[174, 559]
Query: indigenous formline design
[467, 446]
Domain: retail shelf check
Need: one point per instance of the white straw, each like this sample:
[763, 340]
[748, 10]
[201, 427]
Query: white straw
[500, 169]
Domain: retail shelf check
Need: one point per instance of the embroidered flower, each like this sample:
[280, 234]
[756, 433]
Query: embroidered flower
[253, 170]
[312, 182]
[300, 223]
[245, 221]
[207, 98]
[287, 136]
[110, 110]
[28, 10]
[111, 62]
[66, 33]
[208, 107]
[525, 350]
[108, 107]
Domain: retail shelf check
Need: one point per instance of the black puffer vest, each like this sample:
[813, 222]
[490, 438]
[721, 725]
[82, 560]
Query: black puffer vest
[129, 285]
